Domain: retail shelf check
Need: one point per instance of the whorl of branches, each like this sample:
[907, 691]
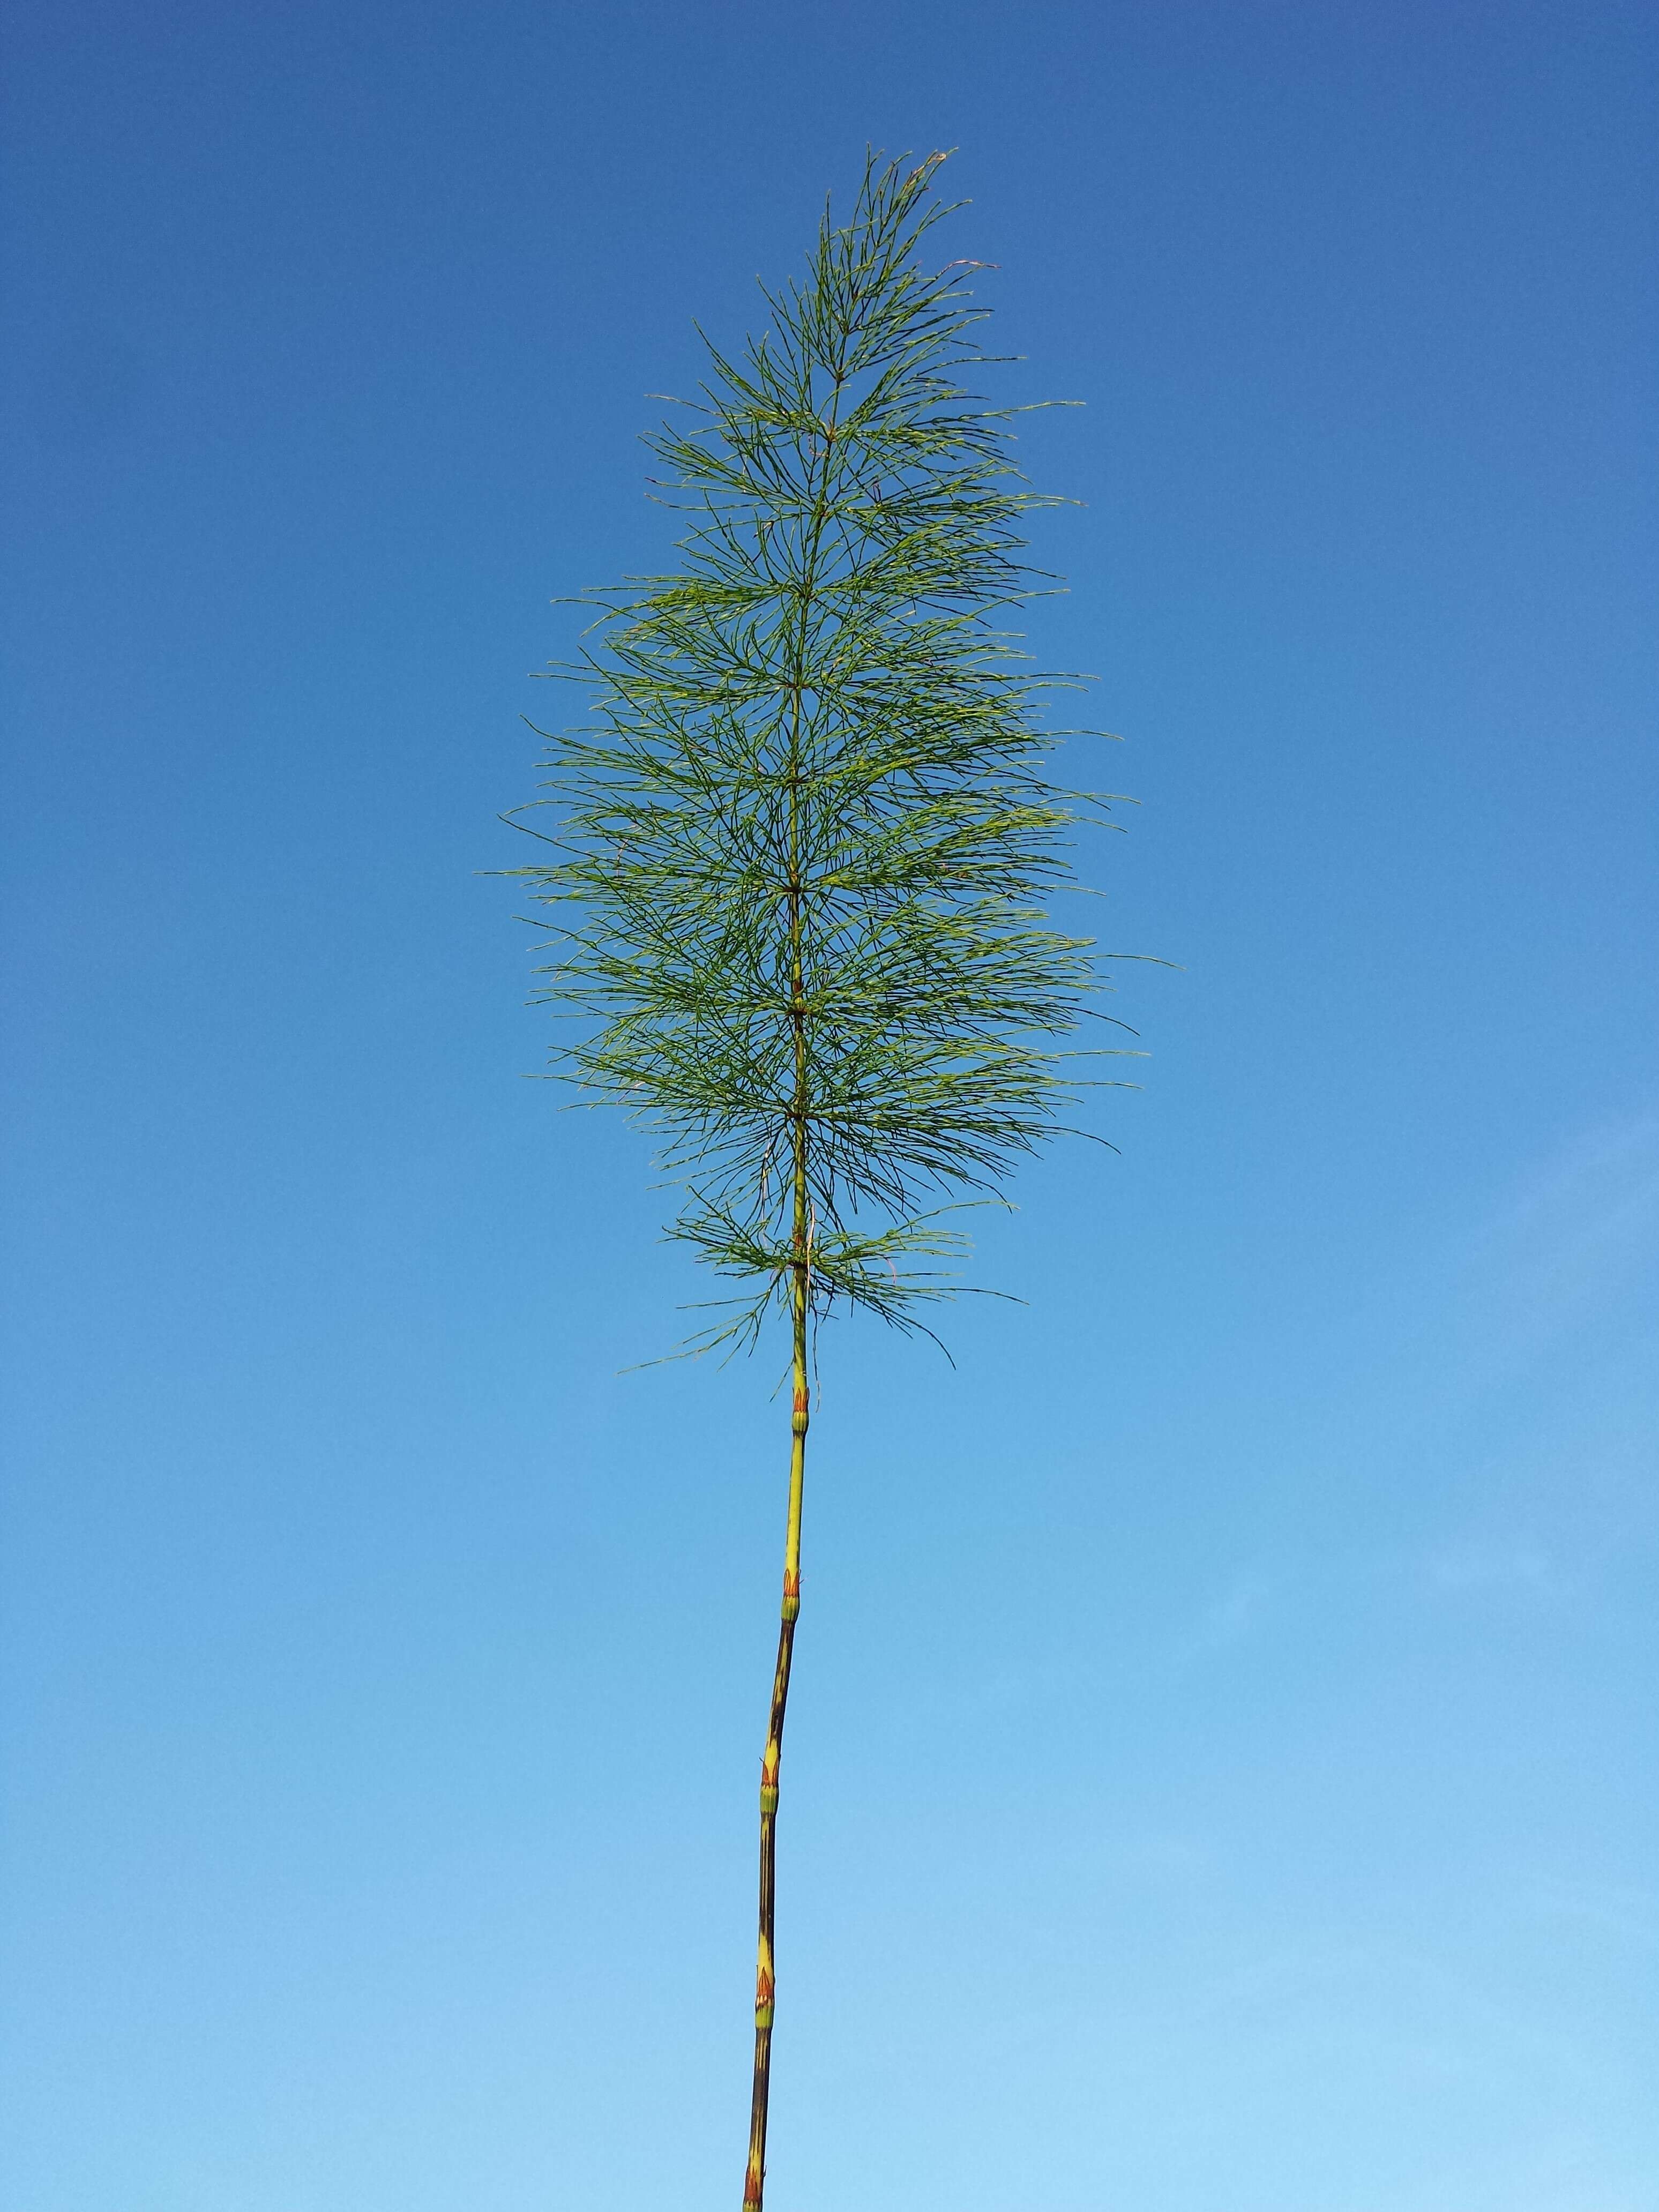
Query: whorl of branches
[802, 850]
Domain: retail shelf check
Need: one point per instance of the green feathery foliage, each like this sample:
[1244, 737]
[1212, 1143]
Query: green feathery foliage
[801, 852]
[800, 857]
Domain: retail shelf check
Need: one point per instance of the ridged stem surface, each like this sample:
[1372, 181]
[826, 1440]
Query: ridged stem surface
[754, 2186]
[800, 1300]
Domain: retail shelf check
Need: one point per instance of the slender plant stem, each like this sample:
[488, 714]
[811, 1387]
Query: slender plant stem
[800, 1300]
[804, 844]
[754, 2184]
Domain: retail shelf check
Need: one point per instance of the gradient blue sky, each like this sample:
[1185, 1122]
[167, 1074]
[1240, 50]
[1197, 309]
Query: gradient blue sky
[1221, 1775]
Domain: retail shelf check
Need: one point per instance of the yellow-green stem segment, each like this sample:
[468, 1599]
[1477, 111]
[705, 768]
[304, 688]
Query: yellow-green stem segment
[800, 1301]
[754, 2184]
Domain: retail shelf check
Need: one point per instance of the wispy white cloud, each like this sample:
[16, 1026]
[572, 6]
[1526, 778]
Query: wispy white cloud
[1577, 1234]
[1239, 1613]
[1501, 1564]
[1236, 1615]
[1623, 1910]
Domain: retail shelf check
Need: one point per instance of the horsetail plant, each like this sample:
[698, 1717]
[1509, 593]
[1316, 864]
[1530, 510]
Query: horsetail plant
[799, 854]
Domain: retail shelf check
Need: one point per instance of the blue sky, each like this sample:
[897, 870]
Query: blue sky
[1221, 1773]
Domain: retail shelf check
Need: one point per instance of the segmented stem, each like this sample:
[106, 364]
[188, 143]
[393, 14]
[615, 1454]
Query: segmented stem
[802, 851]
[754, 2184]
[800, 1300]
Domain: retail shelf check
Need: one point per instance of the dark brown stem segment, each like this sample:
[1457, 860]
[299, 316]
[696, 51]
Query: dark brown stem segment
[754, 2184]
